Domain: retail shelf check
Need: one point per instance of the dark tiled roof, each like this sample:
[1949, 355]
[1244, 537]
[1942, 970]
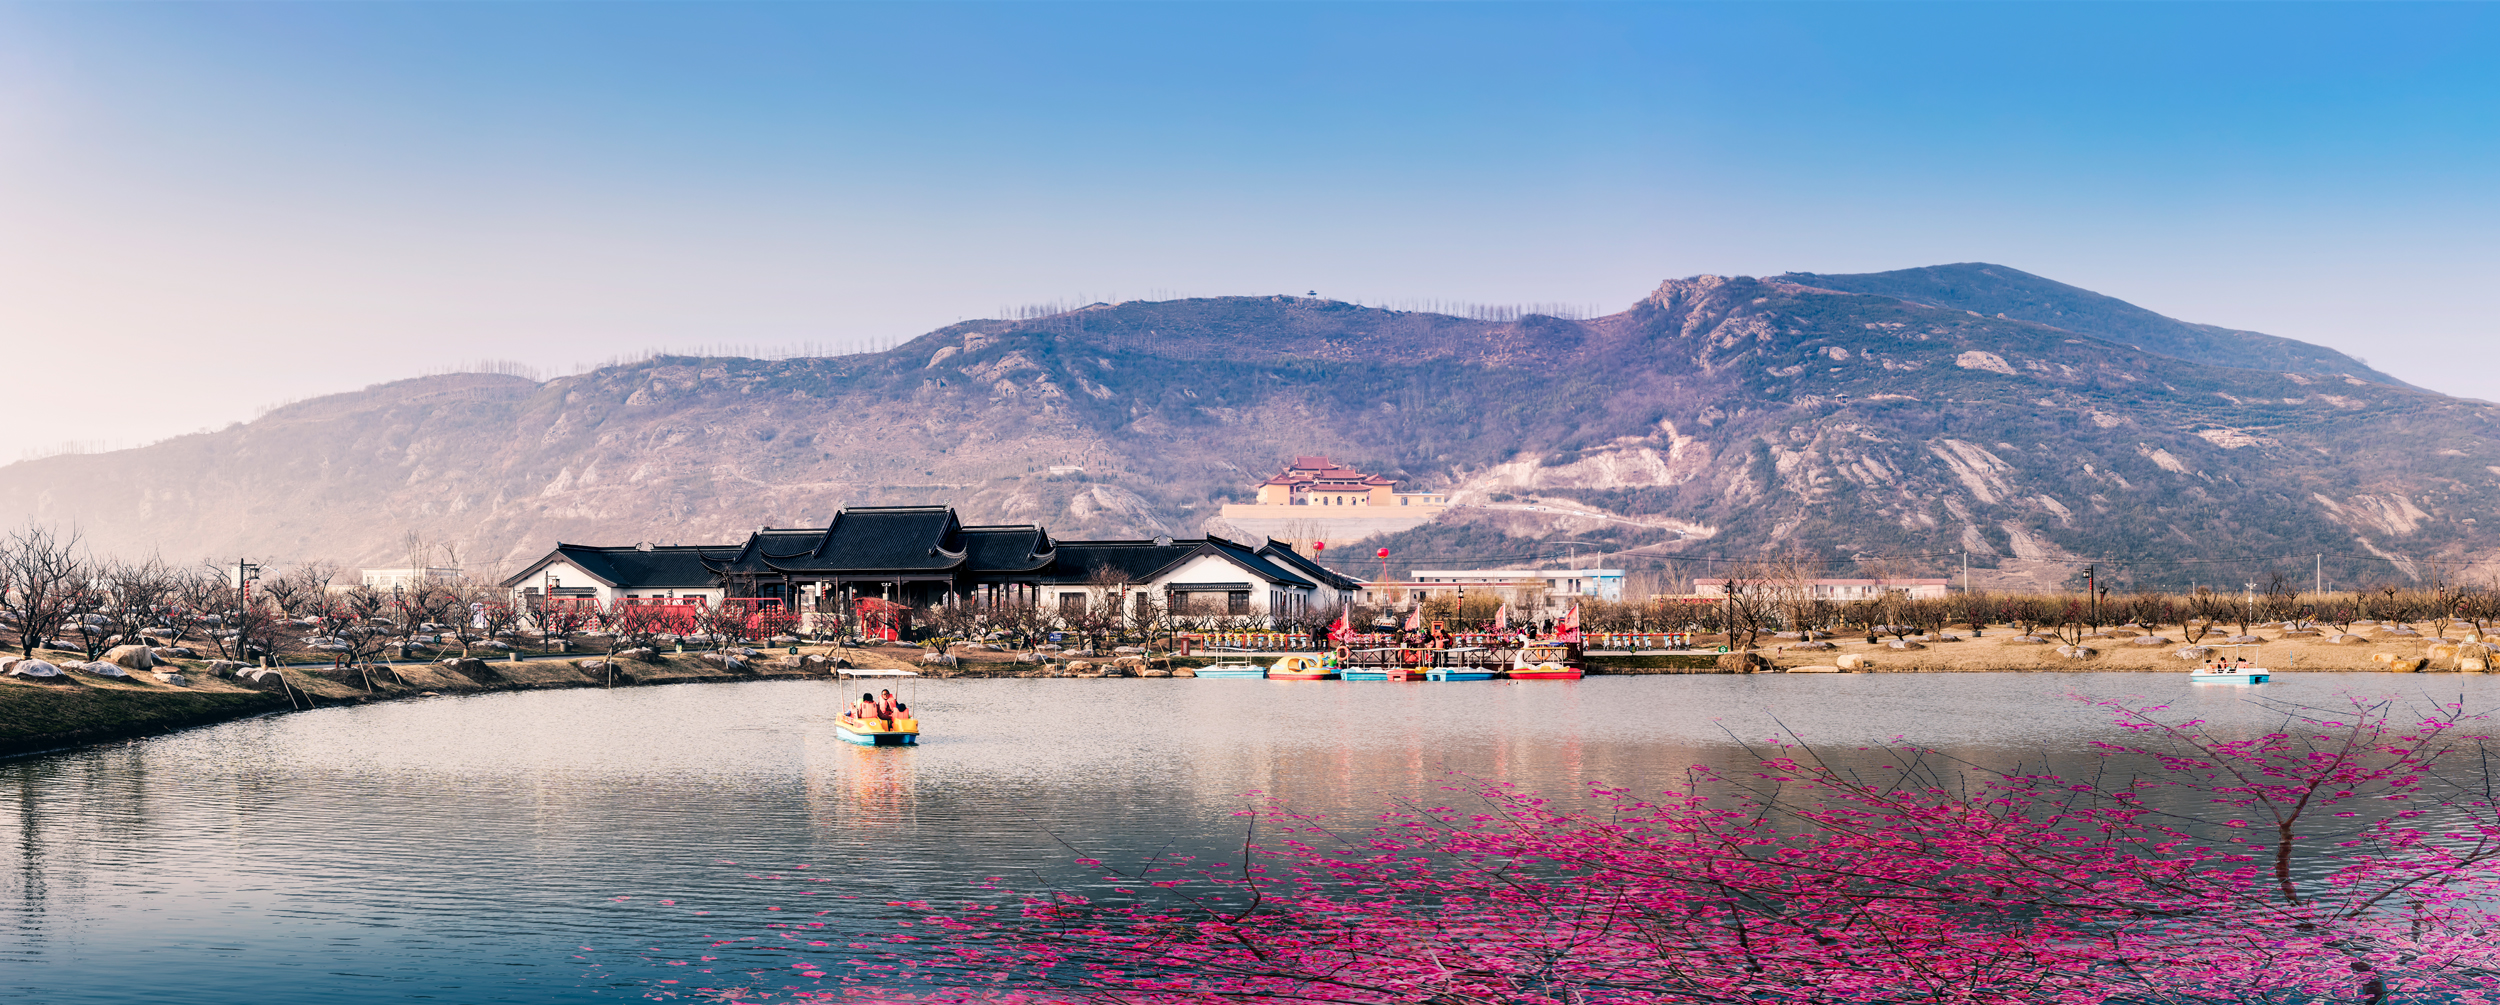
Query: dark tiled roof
[1007, 549]
[673, 567]
[1284, 555]
[1143, 560]
[1077, 561]
[926, 540]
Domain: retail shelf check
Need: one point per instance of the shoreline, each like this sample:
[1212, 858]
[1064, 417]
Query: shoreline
[84, 711]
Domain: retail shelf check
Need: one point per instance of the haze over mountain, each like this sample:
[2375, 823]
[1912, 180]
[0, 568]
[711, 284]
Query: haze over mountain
[1717, 418]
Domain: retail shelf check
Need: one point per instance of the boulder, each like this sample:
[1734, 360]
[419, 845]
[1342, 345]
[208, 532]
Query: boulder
[2027, 640]
[1820, 668]
[1028, 657]
[1184, 672]
[132, 657]
[33, 668]
[224, 668]
[175, 679]
[2346, 640]
[2243, 640]
[1743, 663]
[177, 652]
[1905, 644]
[642, 655]
[1080, 666]
[1153, 672]
[1811, 647]
[2148, 640]
[2195, 653]
[261, 679]
[100, 668]
[470, 667]
[593, 666]
[2408, 664]
[938, 658]
[2077, 652]
[2474, 664]
[1855, 661]
[1128, 651]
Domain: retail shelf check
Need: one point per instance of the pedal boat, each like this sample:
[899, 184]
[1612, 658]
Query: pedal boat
[2229, 673]
[1544, 662]
[1232, 671]
[1409, 664]
[878, 732]
[1300, 668]
[1461, 673]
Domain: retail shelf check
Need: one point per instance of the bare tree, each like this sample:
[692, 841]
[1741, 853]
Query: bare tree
[1751, 600]
[46, 580]
[142, 597]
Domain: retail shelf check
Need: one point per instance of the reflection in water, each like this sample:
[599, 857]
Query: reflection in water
[467, 849]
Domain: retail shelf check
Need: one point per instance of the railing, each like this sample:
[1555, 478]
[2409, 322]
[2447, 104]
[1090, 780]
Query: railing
[1260, 641]
[1639, 640]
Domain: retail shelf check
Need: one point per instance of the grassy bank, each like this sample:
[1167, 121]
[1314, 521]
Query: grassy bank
[78, 709]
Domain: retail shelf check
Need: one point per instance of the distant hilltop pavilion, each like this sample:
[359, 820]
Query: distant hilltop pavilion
[1316, 498]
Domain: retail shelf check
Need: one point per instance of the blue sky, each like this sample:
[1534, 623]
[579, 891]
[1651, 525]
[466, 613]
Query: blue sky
[282, 200]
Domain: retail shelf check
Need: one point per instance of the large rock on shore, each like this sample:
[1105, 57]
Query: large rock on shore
[1855, 661]
[132, 657]
[1743, 663]
[472, 668]
[36, 669]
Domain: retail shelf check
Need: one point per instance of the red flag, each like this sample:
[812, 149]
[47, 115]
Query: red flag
[1570, 628]
[1337, 629]
[1415, 618]
[1501, 618]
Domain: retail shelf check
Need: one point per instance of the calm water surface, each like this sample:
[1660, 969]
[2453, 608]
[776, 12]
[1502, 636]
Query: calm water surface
[472, 849]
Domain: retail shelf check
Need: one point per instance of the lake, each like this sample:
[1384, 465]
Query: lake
[518, 847]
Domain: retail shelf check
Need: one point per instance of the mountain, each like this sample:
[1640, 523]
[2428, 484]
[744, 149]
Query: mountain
[1716, 419]
[2013, 293]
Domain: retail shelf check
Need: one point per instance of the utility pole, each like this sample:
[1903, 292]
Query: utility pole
[2319, 586]
[2092, 593]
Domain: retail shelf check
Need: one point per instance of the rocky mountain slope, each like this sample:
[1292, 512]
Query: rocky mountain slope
[1999, 291]
[1716, 419]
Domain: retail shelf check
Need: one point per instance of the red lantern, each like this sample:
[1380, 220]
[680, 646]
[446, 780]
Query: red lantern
[1384, 553]
[1318, 546]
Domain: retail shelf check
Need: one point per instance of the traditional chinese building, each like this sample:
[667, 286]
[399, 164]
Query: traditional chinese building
[918, 556]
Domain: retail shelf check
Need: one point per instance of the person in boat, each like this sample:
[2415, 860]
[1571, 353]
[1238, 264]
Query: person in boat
[865, 708]
[887, 707]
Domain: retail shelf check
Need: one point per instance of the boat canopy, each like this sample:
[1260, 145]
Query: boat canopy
[878, 672]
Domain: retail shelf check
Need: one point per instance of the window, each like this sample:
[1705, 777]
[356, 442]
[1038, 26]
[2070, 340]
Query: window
[1237, 602]
[1071, 604]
